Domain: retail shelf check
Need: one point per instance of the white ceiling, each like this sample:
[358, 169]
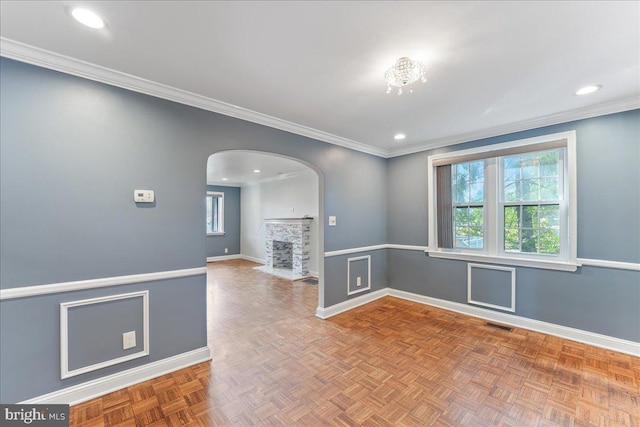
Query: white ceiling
[238, 168]
[315, 68]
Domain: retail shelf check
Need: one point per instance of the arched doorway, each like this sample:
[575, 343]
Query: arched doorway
[265, 185]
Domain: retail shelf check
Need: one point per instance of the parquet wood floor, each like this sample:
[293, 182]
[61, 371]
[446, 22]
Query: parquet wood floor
[388, 363]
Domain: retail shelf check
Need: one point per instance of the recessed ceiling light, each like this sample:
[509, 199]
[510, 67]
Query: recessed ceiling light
[399, 136]
[225, 179]
[588, 89]
[87, 17]
[256, 171]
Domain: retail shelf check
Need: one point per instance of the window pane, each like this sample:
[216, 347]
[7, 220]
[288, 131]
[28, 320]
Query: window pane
[512, 240]
[461, 216]
[530, 216]
[549, 216]
[530, 190]
[468, 188]
[215, 221]
[461, 193]
[477, 171]
[549, 162]
[530, 168]
[461, 237]
[549, 189]
[511, 168]
[512, 191]
[462, 171]
[209, 218]
[476, 194]
[549, 241]
[512, 216]
[476, 217]
[476, 237]
[530, 241]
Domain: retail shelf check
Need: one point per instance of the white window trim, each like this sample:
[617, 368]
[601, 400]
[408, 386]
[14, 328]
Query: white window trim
[220, 196]
[570, 262]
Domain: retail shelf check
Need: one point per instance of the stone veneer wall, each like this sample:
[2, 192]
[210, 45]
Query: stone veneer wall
[296, 233]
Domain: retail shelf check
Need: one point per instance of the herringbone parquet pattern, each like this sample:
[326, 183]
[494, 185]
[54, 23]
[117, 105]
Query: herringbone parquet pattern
[388, 363]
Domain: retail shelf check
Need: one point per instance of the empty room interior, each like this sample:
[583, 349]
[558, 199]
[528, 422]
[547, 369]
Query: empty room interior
[377, 213]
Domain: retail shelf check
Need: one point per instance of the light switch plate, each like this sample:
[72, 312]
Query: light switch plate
[332, 221]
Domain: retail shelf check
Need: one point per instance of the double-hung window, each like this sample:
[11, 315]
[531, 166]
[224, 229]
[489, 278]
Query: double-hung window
[215, 213]
[510, 203]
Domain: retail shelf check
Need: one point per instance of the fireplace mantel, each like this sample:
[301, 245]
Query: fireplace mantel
[288, 220]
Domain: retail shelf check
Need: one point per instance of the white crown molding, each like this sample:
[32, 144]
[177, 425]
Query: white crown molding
[54, 61]
[617, 106]
[56, 288]
[65, 64]
[101, 386]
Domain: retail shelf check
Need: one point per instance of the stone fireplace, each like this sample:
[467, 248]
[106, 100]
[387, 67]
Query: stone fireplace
[288, 244]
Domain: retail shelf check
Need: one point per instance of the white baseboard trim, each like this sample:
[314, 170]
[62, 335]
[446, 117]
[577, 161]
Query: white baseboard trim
[579, 335]
[101, 386]
[326, 312]
[55, 288]
[223, 257]
[252, 259]
[314, 273]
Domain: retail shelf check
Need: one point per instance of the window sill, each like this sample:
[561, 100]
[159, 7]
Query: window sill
[217, 233]
[520, 262]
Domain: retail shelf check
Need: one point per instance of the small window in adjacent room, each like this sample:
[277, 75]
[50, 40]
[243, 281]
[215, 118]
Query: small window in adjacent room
[510, 203]
[215, 213]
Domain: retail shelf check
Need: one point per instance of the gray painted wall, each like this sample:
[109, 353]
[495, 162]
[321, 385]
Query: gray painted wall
[491, 286]
[600, 300]
[231, 237]
[336, 274]
[77, 145]
[95, 331]
[30, 333]
[83, 147]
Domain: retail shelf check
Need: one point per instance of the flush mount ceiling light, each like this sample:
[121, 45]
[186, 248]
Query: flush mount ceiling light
[588, 89]
[256, 171]
[399, 136]
[404, 72]
[87, 17]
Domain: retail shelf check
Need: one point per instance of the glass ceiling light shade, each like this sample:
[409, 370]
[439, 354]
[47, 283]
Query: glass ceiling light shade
[404, 72]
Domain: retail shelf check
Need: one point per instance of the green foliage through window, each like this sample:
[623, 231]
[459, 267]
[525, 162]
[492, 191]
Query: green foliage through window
[468, 204]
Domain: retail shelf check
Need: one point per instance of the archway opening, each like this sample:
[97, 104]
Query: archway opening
[251, 193]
